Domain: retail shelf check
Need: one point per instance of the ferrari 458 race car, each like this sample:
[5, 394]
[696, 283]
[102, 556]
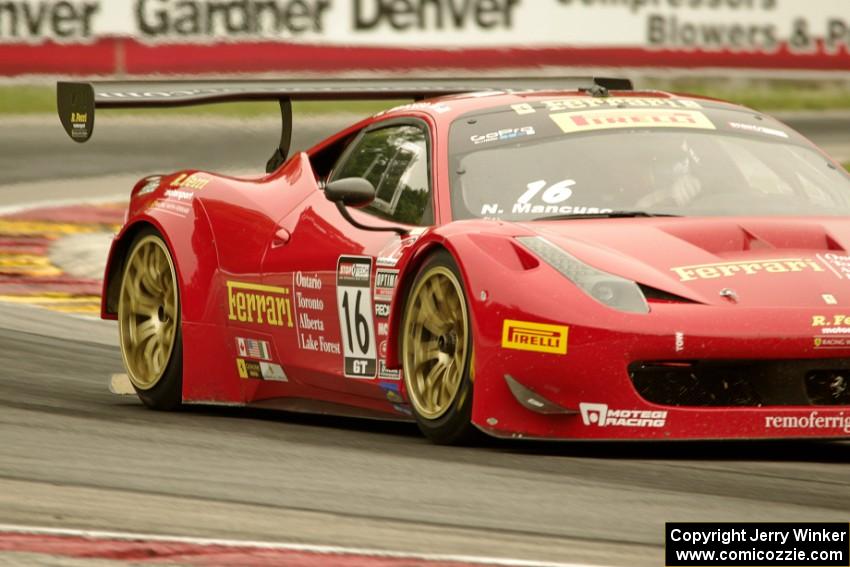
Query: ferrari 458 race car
[549, 259]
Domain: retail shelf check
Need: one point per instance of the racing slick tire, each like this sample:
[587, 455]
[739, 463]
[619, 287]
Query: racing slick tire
[437, 352]
[149, 322]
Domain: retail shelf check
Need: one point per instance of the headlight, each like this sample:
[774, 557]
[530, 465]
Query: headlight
[605, 288]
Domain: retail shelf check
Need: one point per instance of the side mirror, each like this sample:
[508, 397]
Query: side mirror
[351, 192]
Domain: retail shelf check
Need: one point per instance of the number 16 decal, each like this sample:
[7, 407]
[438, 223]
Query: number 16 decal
[354, 304]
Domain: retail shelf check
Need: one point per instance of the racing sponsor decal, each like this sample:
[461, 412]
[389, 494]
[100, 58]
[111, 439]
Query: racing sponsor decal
[745, 267]
[536, 337]
[253, 348]
[830, 342]
[838, 264]
[261, 304]
[616, 118]
[813, 420]
[583, 103]
[523, 108]
[171, 207]
[384, 372]
[354, 305]
[151, 183]
[401, 408]
[387, 261]
[829, 299]
[388, 373]
[502, 135]
[680, 341]
[254, 370]
[603, 416]
[832, 324]
[179, 194]
[758, 129]
[382, 310]
[80, 127]
[385, 282]
[393, 391]
[193, 181]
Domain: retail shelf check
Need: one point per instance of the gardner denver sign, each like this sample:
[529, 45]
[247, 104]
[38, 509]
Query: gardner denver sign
[763, 34]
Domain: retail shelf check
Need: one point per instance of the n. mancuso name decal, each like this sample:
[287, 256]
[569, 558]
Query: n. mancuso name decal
[356, 322]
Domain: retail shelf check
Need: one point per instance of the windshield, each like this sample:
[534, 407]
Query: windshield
[527, 162]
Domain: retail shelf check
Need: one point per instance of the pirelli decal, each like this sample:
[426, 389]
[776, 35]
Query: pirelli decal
[260, 304]
[536, 337]
[615, 118]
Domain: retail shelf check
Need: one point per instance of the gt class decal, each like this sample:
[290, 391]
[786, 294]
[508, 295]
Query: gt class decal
[261, 304]
[537, 337]
[354, 305]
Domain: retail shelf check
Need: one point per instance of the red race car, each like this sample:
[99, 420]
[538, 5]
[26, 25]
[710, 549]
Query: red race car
[548, 259]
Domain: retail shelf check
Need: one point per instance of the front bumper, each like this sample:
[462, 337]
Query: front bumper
[591, 382]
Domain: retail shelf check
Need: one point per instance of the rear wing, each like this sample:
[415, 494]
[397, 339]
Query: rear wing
[76, 101]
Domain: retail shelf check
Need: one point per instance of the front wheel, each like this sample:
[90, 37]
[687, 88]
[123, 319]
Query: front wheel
[436, 352]
[149, 322]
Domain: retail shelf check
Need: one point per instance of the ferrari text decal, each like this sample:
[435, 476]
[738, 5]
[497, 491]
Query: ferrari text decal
[260, 370]
[354, 304]
[537, 337]
[745, 267]
[261, 304]
[603, 416]
[811, 421]
[615, 118]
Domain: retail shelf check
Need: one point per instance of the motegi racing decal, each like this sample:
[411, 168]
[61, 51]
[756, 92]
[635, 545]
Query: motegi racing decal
[603, 416]
[354, 304]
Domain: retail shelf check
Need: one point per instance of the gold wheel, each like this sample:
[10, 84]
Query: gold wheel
[147, 312]
[436, 341]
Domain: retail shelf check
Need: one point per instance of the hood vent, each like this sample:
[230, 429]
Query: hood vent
[719, 236]
[654, 295]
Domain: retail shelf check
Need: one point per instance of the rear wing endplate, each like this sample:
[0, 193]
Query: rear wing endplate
[77, 101]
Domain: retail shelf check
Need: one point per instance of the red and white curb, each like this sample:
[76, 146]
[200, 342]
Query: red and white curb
[29, 275]
[165, 549]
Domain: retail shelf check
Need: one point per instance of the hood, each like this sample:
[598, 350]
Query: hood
[764, 262]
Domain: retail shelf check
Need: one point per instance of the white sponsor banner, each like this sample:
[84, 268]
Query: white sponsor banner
[750, 26]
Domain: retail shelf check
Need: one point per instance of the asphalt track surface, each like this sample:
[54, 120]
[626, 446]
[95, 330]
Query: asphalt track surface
[73, 455]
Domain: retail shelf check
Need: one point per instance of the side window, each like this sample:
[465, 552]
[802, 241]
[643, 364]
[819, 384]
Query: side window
[395, 160]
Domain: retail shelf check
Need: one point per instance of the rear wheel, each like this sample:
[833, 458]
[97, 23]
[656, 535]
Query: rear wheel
[149, 322]
[436, 352]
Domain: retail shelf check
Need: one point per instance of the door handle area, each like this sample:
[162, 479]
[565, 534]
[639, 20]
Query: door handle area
[281, 238]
